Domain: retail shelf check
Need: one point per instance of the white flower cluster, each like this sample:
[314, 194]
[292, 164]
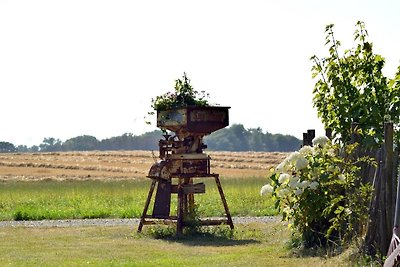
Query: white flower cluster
[266, 189]
[291, 184]
[293, 164]
[320, 141]
[296, 160]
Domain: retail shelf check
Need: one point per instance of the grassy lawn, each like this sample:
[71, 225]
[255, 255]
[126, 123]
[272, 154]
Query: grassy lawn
[256, 244]
[49, 199]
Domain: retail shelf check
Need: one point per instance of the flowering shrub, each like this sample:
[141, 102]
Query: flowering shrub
[183, 96]
[319, 192]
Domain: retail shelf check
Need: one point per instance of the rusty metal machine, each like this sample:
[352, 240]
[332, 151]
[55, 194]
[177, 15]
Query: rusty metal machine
[182, 160]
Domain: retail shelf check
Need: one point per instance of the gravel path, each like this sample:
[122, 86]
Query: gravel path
[112, 222]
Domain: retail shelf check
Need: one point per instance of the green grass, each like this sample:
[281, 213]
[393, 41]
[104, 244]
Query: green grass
[261, 244]
[119, 199]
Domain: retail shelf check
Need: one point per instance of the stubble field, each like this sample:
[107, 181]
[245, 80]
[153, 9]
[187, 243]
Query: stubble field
[116, 165]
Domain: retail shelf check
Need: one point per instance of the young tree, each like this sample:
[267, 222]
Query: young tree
[352, 88]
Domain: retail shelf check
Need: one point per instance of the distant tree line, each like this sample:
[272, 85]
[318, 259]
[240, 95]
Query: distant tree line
[234, 138]
[237, 138]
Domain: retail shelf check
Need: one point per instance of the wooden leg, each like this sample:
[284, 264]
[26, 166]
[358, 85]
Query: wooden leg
[146, 205]
[181, 207]
[191, 200]
[221, 193]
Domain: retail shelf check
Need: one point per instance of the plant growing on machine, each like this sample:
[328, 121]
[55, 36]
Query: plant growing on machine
[184, 95]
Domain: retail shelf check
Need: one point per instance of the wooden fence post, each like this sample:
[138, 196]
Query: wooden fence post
[308, 137]
[305, 139]
[383, 203]
[389, 181]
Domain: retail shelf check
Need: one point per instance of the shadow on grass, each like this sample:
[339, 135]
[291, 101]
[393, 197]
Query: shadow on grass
[210, 240]
[217, 237]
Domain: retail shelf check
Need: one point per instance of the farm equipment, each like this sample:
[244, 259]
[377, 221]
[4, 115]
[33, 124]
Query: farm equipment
[182, 160]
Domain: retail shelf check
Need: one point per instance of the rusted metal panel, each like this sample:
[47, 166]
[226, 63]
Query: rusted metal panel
[207, 120]
[172, 119]
[194, 120]
[162, 202]
[194, 166]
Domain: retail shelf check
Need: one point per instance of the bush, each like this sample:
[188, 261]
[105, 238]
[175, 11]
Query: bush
[319, 191]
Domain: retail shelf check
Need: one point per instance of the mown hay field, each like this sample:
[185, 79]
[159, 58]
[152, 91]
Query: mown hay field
[122, 165]
[71, 185]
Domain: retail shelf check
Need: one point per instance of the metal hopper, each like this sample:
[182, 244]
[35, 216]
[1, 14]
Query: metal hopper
[194, 120]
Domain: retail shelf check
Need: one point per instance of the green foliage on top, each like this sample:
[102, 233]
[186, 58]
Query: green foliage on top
[183, 96]
[352, 88]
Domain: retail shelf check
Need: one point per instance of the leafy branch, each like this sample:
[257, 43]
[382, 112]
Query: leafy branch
[352, 88]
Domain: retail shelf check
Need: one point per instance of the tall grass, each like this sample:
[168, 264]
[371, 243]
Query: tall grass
[119, 199]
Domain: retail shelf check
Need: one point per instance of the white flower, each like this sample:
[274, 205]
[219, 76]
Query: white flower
[266, 189]
[320, 141]
[294, 182]
[301, 163]
[296, 206]
[341, 177]
[298, 191]
[306, 150]
[284, 177]
[304, 184]
[282, 167]
[283, 192]
[314, 185]
[292, 158]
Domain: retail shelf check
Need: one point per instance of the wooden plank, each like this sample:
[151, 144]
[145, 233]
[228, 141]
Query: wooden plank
[221, 193]
[146, 206]
[198, 188]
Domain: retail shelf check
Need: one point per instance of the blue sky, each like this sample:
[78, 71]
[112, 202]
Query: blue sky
[69, 68]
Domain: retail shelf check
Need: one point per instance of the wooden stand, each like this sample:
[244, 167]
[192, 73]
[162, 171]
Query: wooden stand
[185, 189]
